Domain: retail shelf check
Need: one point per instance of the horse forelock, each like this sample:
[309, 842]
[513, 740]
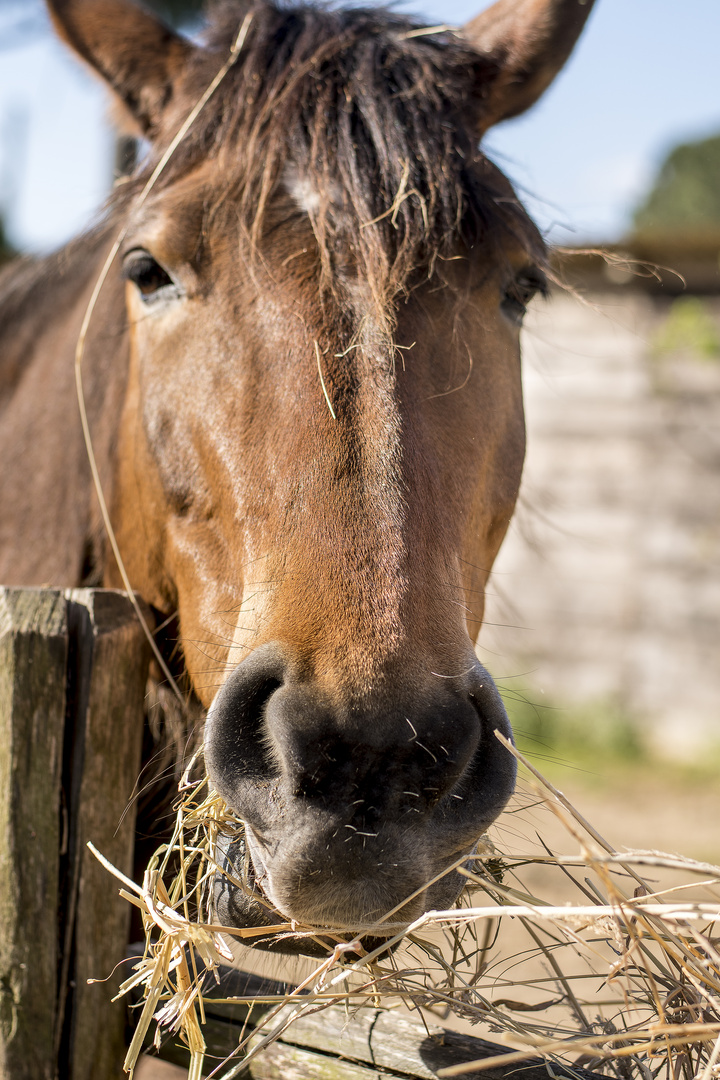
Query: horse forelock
[369, 127]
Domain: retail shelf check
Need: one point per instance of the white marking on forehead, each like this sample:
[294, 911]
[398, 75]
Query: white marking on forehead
[305, 195]
[303, 191]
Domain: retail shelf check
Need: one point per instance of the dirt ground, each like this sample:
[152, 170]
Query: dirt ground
[663, 811]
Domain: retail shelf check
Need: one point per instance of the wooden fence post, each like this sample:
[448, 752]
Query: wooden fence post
[107, 674]
[33, 654]
[73, 671]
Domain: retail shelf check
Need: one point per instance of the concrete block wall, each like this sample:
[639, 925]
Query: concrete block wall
[608, 586]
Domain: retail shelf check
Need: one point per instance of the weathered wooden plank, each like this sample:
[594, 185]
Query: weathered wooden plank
[107, 674]
[280, 1061]
[283, 1062]
[355, 1036]
[399, 1046]
[33, 651]
[337, 1045]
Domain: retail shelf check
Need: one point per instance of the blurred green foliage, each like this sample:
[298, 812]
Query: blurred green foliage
[585, 737]
[598, 744]
[686, 193]
[7, 251]
[688, 329]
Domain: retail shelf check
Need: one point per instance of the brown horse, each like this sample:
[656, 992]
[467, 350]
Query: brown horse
[303, 385]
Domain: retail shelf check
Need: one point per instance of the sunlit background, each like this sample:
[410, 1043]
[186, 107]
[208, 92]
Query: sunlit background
[604, 611]
[643, 78]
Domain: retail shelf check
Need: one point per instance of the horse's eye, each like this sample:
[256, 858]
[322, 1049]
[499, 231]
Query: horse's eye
[148, 275]
[519, 294]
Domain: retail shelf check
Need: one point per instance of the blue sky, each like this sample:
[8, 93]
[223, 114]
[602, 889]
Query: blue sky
[644, 76]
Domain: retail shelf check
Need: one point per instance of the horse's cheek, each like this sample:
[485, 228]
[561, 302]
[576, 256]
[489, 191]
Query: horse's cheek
[139, 501]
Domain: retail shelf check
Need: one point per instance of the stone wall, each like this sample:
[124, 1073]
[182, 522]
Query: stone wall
[607, 590]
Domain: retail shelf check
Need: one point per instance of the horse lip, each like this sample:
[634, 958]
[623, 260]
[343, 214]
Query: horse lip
[257, 868]
[232, 906]
[230, 852]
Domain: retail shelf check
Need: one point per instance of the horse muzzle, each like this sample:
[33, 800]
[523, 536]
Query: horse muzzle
[356, 814]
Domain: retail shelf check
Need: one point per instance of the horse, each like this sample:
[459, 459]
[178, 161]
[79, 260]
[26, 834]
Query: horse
[301, 377]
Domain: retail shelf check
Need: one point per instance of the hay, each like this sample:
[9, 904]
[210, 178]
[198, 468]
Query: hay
[623, 979]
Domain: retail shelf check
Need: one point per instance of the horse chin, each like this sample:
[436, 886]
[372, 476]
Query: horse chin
[245, 908]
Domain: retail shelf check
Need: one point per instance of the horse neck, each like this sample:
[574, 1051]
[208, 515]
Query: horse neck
[49, 532]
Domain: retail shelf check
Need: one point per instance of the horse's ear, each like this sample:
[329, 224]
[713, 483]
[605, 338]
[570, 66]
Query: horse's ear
[138, 56]
[528, 42]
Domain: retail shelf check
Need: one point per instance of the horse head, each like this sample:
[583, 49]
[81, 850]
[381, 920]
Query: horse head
[322, 435]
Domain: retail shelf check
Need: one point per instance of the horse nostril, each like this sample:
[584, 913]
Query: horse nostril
[255, 701]
[236, 747]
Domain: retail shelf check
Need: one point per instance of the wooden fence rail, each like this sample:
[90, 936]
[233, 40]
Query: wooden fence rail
[340, 1044]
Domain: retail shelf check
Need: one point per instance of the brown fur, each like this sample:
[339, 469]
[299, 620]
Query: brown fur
[312, 441]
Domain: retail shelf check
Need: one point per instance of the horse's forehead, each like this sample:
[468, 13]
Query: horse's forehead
[198, 212]
[306, 192]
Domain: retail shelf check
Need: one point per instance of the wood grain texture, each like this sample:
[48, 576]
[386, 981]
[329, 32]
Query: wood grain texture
[107, 673]
[395, 1045]
[283, 1062]
[335, 1044]
[33, 652]
[73, 672]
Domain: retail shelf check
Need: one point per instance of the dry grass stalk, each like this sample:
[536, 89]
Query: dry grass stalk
[625, 980]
